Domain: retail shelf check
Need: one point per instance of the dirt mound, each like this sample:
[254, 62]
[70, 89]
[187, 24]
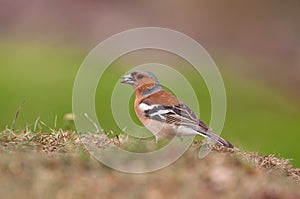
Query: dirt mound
[56, 165]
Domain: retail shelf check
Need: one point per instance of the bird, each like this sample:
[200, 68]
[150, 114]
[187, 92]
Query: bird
[162, 113]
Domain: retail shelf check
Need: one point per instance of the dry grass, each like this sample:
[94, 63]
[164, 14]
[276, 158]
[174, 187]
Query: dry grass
[56, 165]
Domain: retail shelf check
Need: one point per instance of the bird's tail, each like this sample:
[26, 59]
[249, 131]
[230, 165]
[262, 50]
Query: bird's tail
[220, 141]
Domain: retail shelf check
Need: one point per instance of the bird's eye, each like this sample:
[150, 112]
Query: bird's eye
[140, 76]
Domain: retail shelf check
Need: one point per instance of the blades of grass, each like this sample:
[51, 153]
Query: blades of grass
[36, 123]
[94, 123]
[55, 121]
[16, 116]
[51, 129]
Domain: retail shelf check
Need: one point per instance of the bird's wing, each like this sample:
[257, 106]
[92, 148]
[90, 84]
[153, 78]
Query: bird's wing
[179, 115]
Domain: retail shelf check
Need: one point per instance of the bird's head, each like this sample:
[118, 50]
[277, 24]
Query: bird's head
[140, 78]
[142, 81]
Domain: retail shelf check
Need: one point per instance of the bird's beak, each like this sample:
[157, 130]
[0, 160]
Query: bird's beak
[127, 79]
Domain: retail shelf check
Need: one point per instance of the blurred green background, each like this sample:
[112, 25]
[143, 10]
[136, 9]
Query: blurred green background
[255, 45]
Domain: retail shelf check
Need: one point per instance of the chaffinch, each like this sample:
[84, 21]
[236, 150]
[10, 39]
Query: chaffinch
[163, 114]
